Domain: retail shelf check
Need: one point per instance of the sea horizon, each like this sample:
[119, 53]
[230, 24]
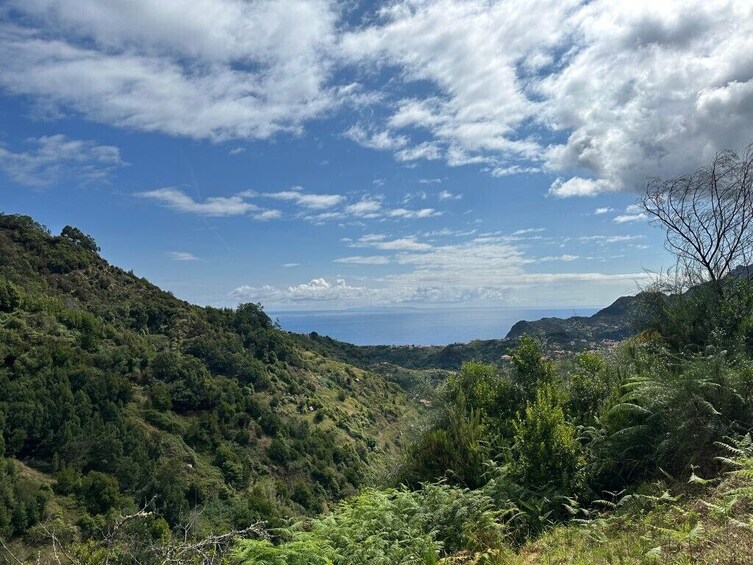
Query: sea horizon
[418, 326]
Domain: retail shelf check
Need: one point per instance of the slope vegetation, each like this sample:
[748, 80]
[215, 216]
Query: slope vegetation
[115, 395]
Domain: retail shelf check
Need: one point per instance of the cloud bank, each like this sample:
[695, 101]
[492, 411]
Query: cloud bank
[599, 94]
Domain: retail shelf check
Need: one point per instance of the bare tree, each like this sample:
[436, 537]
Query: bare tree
[708, 216]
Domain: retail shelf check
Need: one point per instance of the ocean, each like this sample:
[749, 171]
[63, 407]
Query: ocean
[416, 326]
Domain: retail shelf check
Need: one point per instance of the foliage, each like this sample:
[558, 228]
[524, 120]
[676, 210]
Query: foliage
[390, 526]
[118, 396]
[532, 370]
[548, 454]
[115, 393]
[457, 452]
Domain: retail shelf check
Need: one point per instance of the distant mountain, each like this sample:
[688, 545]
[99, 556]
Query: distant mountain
[615, 322]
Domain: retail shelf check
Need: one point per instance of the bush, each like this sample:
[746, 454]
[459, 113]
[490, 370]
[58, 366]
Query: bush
[10, 297]
[547, 451]
[99, 492]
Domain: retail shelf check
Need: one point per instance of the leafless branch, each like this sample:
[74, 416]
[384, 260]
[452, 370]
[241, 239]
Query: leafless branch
[10, 553]
[708, 215]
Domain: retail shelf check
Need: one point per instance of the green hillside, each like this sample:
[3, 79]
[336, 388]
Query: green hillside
[115, 395]
[140, 428]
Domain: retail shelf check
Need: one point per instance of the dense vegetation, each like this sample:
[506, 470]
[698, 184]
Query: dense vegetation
[116, 396]
[136, 426]
[602, 457]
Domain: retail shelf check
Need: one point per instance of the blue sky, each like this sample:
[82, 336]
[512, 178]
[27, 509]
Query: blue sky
[308, 154]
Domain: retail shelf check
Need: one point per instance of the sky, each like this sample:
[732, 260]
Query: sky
[308, 154]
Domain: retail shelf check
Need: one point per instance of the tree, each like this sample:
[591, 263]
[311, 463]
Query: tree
[10, 298]
[80, 239]
[708, 216]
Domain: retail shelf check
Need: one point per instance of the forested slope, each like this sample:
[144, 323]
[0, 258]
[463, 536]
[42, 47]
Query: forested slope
[115, 394]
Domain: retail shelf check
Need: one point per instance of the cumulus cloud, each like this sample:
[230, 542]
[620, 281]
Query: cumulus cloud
[604, 210]
[212, 206]
[601, 94]
[565, 258]
[53, 158]
[383, 140]
[509, 170]
[447, 195]
[667, 86]
[316, 290]
[268, 215]
[625, 218]
[637, 89]
[367, 207]
[214, 69]
[633, 213]
[312, 201]
[468, 269]
[608, 239]
[361, 260]
[183, 256]
[410, 214]
[386, 243]
[525, 231]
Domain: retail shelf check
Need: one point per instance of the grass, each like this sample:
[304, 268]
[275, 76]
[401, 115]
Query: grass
[712, 525]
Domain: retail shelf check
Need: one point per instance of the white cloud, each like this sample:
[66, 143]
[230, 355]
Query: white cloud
[637, 88]
[360, 260]
[564, 258]
[601, 93]
[447, 195]
[214, 69]
[54, 158]
[647, 71]
[237, 151]
[626, 218]
[486, 270]
[420, 195]
[506, 171]
[604, 210]
[402, 244]
[268, 215]
[182, 256]
[372, 237]
[324, 217]
[528, 230]
[312, 201]
[317, 290]
[633, 213]
[411, 214]
[578, 186]
[290, 265]
[382, 140]
[427, 150]
[212, 206]
[469, 51]
[367, 207]
[608, 239]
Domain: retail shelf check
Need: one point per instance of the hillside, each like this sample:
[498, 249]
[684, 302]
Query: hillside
[116, 394]
[615, 322]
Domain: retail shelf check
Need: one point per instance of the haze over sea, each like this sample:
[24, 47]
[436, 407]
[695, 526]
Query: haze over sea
[416, 326]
